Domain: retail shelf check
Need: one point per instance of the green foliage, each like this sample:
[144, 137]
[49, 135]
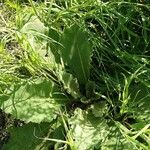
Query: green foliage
[140, 104]
[69, 83]
[34, 101]
[53, 46]
[94, 133]
[33, 24]
[28, 137]
[77, 73]
[76, 52]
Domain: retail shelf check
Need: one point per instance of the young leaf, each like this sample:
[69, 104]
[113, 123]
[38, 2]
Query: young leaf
[37, 101]
[70, 84]
[99, 109]
[76, 52]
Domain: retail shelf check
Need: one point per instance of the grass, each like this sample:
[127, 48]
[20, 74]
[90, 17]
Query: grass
[109, 108]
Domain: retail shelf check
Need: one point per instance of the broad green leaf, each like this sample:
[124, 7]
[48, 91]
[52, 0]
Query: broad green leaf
[53, 46]
[99, 109]
[85, 133]
[34, 24]
[35, 101]
[70, 84]
[90, 133]
[76, 52]
[26, 137]
[37, 39]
